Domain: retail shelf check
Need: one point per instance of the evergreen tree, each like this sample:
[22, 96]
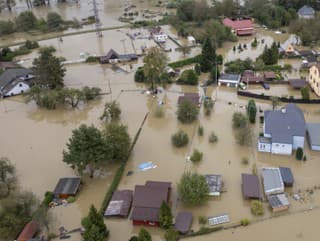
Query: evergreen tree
[214, 74]
[144, 235]
[165, 216]
[208, 56]
[252, 111]
[93, 234]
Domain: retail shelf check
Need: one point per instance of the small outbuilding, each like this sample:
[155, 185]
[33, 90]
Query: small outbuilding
[313, 133]
[286, 176]
[297, 83]
[183, 222]
[269, 75]
[251, 186]
[66, 187]
[230, 80]
[272, 181]
[192, 97]
[120, 204]
[29, 231]
[279, 202]
[215, 184]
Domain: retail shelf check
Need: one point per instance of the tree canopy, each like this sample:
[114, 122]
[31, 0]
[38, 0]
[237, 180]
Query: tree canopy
[187, 112]
[252, 111]
[111, 112]
[208, 56]
[165, 216]
[8, 178]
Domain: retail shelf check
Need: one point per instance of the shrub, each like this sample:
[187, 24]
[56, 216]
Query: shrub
[171, 235]
[304, 158]
[48, 196]
[6, 27]
[257, 207]
[54, 21]
[208, 106]
[299, 153]
[239, 120]
[245, 222]
[202, 220]
[196, 156]
[245, 160]
[92, 59]
[139, 75]
[158, 112]
[213, 138]
[31, 44]
[200, 131]
[189, 77]
[71, 199]
[244, 136]
[187, 112]
[180, 139]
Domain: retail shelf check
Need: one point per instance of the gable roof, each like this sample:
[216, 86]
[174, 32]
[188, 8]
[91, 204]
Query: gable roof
[112, 54]
[272, 180]
[238, 24]
[283, 124]
[67, 186]
[28, 231]
[11, 74]
[286, 176]
[191, 97]
[314, 133]
[306, 11]
[120, 203]
[297, 83]
[251, 186]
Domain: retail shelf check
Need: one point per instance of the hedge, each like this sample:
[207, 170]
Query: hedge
[202, 231]
[184, 62]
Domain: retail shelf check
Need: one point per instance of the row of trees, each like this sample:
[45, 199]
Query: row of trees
[307, 29]
[7, 54]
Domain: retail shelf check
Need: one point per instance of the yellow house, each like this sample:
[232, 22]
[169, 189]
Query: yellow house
[314, 78]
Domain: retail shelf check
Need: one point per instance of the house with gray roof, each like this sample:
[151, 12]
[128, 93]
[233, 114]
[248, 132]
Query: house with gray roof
[231, 80]
[306, 12]
[283, 130]
[15, 81]
[272, 180]
[313, 133]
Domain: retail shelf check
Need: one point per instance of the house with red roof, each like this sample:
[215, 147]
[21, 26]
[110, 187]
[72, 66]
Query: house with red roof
[239, 27]
[29, 231]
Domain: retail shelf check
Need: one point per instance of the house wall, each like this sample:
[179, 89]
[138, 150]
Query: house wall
[314, 79]
[281, 148]
[298, 141]
[315, 148]
[19, 88]
[145, 223]
[264, 147]
[228, 83]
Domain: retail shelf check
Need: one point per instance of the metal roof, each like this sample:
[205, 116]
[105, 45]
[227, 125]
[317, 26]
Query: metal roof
[251, 186]
[279, 200]
[272, 180]
[284, 124]
[314, 133]
[229, 77]
[215, 183]
[12, 74]
[183, 222]
[67, 186]
[286, 175]
[120, 204]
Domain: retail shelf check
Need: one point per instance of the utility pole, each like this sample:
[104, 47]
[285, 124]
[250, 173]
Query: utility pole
[95, 10]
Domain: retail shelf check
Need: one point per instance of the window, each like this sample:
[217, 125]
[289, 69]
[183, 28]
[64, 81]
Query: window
[20, 85]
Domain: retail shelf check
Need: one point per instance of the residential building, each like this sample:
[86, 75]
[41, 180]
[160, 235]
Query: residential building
[272, 181]
[160, 38]
[120, 204]
[66, 187]
[239, 27]
[249, 77]
[113, 57]
[192, 97]
[313, 133]
[147, 201]
[297, 84]
[230, 80]
[251, 186]
[15, 81]
[283, 130]
[306, 12]
[314, 78]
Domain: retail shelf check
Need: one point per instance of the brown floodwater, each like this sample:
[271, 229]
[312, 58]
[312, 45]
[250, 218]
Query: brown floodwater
[34, 138]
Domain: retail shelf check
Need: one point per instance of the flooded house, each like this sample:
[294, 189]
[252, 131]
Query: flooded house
[283, 130]
[250, 77]
[120, 204]
[29, 231]
[147, 200]
[67, 187]
[286, 176]
[192, 97]
[15, 81]
[215, 184]
[306, 12]
[160, 38]
[269, 75]
[309, 61]
[314, 78]
[251, 186]
[313, 133]
[230, 80]
[183, 222]
[297, 84]
[113, 57]
[278, 202]
[272, 180]
[240, 27]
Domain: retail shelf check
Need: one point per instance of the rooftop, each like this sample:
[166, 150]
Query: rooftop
[120, 204]
[183, 222]
[238, 24]
[215, 184]
[314, 133]
[251, 186]
[67, 186]
[192, 97]
[29, 231]
[306, 11]
[229, 77]
[11, 74]
[297, 83]
[286, 176]
[272, 180]
[279, 201]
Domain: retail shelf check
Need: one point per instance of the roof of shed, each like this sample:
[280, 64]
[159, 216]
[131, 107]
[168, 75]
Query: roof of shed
[314, 133]
[183, 222]
[251, 186]
[286, 175]
[67, 185]
[272, 179]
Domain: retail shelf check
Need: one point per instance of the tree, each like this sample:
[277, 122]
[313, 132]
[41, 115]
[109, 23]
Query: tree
[154, 64]
[239, 120]
[252, 111]
[26, 21]
[274, 101]
[95, 228]
[214, 74]
[193, 189]
[111, 112]
[117, 141]
[270, 55]
[196, 156]
[208, 56]
[86, 147]
[72, 96]
[48, 70]
[134, 238]
[197, 69]
[257, 207]
[6, 27]
[54, 21]
[144, 235]
[8, 179]
[187, 112]
[139, 75]
[244, 136]
[165, 216]
[180, 139]
[189, 77]
[305, 93]
[208, 105]
[171, 235]
[299, 154]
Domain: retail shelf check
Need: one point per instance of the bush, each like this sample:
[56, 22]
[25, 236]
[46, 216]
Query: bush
[92, 59]
[6, 27]
[299, 154]
[244, 136]
[180, 139]
[188, 77]
[158, 112]
[197, 69]
[48, 196]
[31, 44]
[239, 120]
[196, 156]
[187, 112]
[257, 207]
[245, 222]
[213, 138]
[208, 106]
[202, 220]
[245, 160]
[71, 199]
[139, 75]
[54, 21]
[200, 131]
[26, 21]
[184, 62]
[171, 235]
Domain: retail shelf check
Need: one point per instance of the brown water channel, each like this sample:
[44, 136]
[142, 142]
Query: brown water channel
[34, 139]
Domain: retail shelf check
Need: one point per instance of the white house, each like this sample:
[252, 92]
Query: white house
[160, 38]
[15, 81]
[283, 130]
[231, 80]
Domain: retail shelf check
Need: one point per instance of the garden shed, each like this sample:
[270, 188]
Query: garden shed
[272, 181]
[66, 187]
[287, 176]
[251, 186]
[120, 204]
[183, 222]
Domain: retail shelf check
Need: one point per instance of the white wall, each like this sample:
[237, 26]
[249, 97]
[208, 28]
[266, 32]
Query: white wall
[264, 147]
[298, 141]
[19, 88]
[280, 148]
[315, 148]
